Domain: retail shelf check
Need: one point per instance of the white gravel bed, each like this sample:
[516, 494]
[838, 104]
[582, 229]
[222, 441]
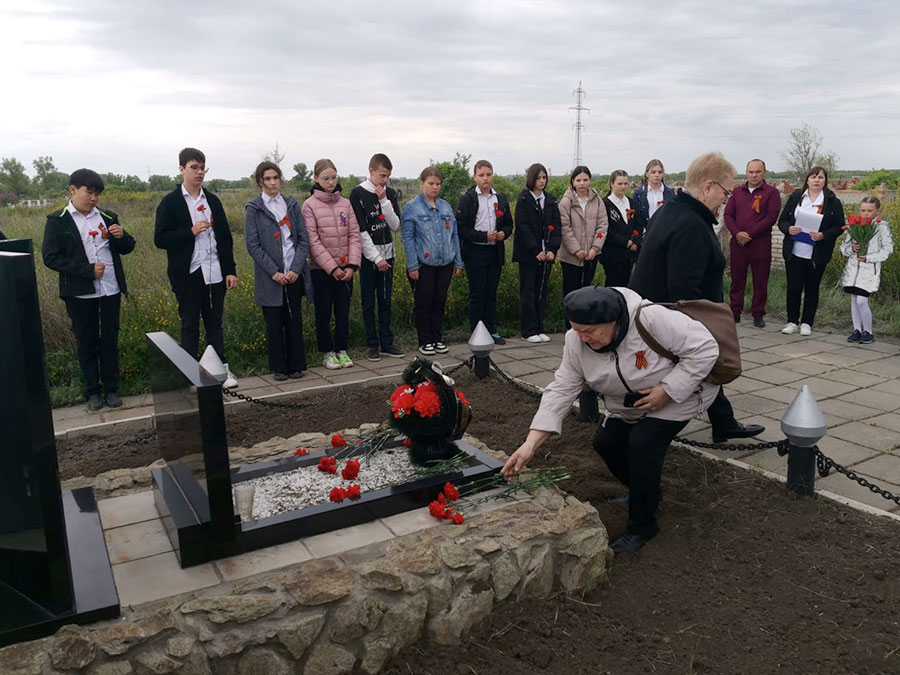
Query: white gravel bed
[293, 490]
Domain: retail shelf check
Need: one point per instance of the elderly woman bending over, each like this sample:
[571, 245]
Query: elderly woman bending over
[648, 398]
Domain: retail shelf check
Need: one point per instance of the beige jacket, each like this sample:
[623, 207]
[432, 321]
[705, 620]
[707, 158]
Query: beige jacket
[581, 227]
[683, 382]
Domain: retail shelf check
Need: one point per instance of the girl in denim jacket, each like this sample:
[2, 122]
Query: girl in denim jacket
[432, 257]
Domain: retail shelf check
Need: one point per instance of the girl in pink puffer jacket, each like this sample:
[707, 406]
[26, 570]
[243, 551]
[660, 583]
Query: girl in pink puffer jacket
[334, 254]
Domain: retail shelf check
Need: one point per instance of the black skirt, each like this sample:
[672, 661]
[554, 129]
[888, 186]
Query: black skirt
[853, 290]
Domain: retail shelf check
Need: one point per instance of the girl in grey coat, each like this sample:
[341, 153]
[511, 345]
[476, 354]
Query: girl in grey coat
[276, 239]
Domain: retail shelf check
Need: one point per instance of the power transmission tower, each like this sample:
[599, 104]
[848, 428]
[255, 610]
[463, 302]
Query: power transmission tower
[579, 95]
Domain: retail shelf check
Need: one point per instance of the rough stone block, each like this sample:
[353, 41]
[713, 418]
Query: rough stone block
[263, 661]
[72, 648]
[305, 629]
[355, 617]
[235, 608]
[328, 659]
[467, 610]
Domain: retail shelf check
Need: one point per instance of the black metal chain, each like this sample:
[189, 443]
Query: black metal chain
[465, 364]
[825, 464]
[782, 445]
[265, 404]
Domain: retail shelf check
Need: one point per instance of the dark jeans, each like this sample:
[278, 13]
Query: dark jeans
[331, 295]
[721, 414]
[575, 277]
[375, 286]
[196, 300]
[95, 323]
[284, 331]
[483, 271]
[618, 273]
[533, 278]
[634, 454]
[430, 300]
[803, 276]
[757, 255]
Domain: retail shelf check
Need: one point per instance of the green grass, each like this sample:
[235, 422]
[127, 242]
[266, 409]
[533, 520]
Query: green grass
[151, 305]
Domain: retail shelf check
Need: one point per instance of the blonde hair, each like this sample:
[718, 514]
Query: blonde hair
[653, 162]
[321, 165]
[711, 166]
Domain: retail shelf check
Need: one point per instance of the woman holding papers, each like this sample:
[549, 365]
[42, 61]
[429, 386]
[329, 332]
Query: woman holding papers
[811, 222]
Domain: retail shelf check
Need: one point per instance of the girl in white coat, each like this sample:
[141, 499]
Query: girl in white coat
[862, 274]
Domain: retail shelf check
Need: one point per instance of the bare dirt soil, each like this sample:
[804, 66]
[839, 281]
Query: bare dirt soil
[743, 577]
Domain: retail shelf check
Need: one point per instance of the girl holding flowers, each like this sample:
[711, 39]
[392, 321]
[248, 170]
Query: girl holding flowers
[867, 244]
[334, 255]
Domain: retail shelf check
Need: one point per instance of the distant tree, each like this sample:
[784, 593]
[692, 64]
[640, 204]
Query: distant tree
[557, 186]
[804, 151]
[510, 187]
[873, 179]
[456, 177]
[48, 180]
[13, 177]
[274, 155]
[110, 179]
[303, 178]
[160, 183]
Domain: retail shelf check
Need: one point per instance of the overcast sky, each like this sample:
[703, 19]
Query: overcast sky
[121, 86]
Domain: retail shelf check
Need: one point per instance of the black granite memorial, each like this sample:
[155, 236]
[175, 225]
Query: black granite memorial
[54, 566]
[193, 490]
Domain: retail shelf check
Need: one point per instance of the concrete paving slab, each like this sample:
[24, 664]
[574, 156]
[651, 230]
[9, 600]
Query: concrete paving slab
[800, 349]
[842, 359]
[523, 352]
[852, 376]
[885, 367]
[809, 367]
[540, 379]
[333, 543]
[409, 522]
[851, 489]
[880, 468]
[889, 387]
[140, 540]
[846, 453]
[760, 358]
[784, 394]
[252, 382]
[882, 347]
[264, 560]
[519, 368]
[119, 511]
[258, 392]
[159, 576]
[773, 374]
[344, 376]
[887, 421]
[877, 438]
[751, 343]
[823, 388]
[745, 385]
[755, 405]
[873, 399]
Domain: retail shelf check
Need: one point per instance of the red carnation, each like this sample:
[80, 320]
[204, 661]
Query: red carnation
[354, 491]
[201, 208]
[451, 491]
[634, 233]
[328, 465]
[461, 398]
[301, 451]
[843, 228]
[337, 494]
[498, 213]
[442, 499]
[599, 235]
[337, 441]
[426, 254]
[277, 234]
[551, 228]
[343, 260]
[407, 442]
[427, 403]
[93, 233]
[457, 519]
[436, 509]
[350, 470]
[380, 216]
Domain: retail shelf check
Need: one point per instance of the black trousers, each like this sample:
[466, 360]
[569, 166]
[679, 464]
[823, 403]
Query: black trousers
[332, 296]
[483, 271]
[803, 276]
[635, 454]
[721, 414]
[196, 299]
[284, 331]
[618, 272]
[533, 281]
[575, 277]
[95, 323]
[430, 301]
[376, 287]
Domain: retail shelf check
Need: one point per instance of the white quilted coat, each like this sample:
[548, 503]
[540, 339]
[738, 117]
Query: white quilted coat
[867, 275]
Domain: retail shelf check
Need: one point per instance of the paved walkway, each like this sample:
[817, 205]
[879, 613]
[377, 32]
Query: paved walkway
[858, 389]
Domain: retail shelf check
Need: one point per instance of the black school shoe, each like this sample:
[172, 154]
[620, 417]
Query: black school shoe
[391, 350]
[629, 543]
[94, 403]
[738, 431]
[113, 400]
[759, 322]
[374, 354]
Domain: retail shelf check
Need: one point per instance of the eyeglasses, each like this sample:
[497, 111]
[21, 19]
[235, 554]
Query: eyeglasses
[727, 192]
[197, 168]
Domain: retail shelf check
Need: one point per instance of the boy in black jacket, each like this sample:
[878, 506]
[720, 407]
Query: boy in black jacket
[484, 222]
[373, 203]
[84, 245]
[191, 226]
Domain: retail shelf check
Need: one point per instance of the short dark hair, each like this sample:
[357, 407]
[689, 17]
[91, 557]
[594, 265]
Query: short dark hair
[87, 178]
[618, 172]
[480, 163]
[430, 171]
[379, 160]
[187, 154]
[870, 199]
[265, 166]
[756, 160]
[815, 171]
[577, 171]
[532, 173]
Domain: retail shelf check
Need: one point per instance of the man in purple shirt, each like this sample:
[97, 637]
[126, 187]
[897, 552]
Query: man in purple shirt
[749, 216]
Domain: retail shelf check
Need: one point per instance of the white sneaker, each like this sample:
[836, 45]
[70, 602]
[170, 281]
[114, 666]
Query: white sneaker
[331, 362]
[544, 337]
[427, 350]
[789, 328]
[344, 359]
[805, 329]
[533, 338]
[230, 380]
[441, 348]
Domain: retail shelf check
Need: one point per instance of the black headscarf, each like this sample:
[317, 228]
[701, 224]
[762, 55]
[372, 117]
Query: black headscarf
[598, 304]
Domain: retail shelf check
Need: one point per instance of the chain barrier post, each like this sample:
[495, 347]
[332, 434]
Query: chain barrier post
[480, 344]
[804, 425]
[589, 405]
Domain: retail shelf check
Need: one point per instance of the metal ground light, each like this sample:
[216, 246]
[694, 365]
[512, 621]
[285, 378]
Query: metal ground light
[480, 344]
[804, 425]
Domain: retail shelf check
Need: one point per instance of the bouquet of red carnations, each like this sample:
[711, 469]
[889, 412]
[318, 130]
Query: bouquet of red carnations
[862, 231]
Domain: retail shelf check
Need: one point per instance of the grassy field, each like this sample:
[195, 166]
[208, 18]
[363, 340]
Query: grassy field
[151, 305]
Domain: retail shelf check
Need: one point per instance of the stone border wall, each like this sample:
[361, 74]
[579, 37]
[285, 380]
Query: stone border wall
[349, 613]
